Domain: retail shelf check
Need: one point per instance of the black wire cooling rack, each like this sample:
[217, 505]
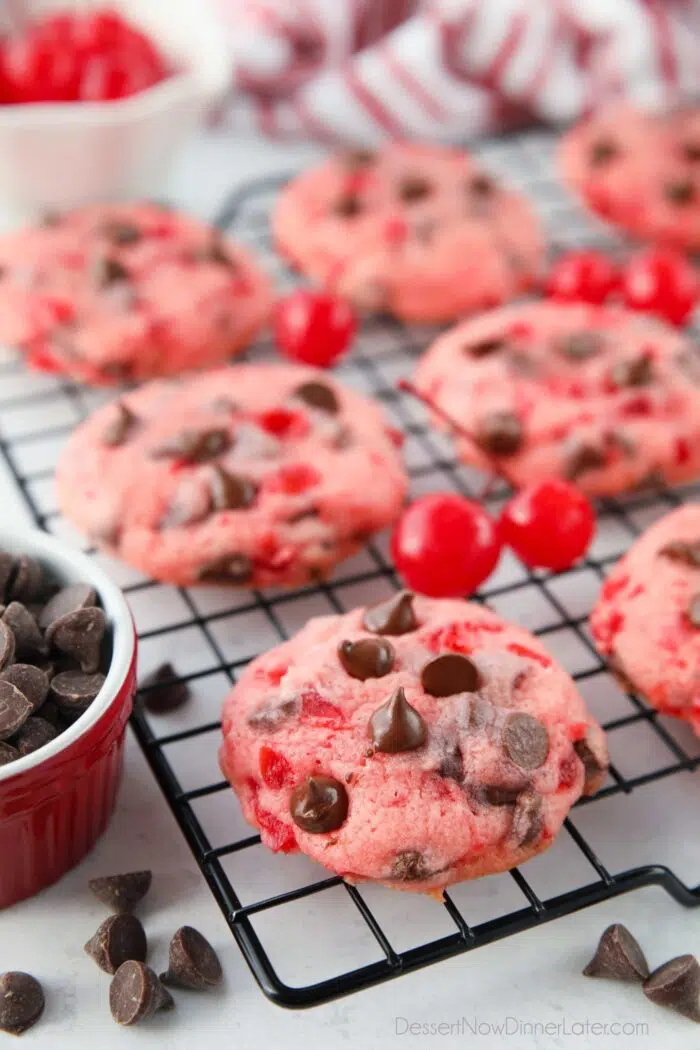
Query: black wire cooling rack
[210, 634]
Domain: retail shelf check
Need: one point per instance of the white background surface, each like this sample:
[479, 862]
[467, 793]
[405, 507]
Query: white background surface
[533, 978]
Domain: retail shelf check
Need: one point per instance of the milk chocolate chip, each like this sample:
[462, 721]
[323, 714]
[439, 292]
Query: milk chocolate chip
[527, 817]
[192, 962]
[318, 395]
[409, 866]
[684, 552]
[500, 433]
[135, 994]
[194, 446]
[450, 674]
[394, 616]
[319, 804]
[121, 427]
[618, 956]
[396, 725]
[676, 985]
[230, 491]
[119, 938]
[21, 1002]
[367, 658]
[525, 740]
[121, 893]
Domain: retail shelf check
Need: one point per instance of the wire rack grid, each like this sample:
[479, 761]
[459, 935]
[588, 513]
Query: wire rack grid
[276, 907]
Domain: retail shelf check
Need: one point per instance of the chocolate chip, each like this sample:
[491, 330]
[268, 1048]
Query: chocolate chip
[28, 583]
[318, 395]
[194, 446]
[521, 363]
[122, 232]
[582, 457]
[15, 709]
[632, 372]
[691, 151]
[319, 804]
[28, 638]
[425, 230]
[270, 716]
[359, 158]
[396, 725]
[79, 634]
[452, 763]
[676, 985]
[8, 754]
[161, 692]
[499, 794]
[118, 430]
[527, 817]
[693, 611]
[481, 185]
[74, 691]
[223, 404]
[591, 750]
[602, 152]
[34, 734]
[120, 937]
[680, 192]
[409, 866]
[500, 433]
[68, 600]
[7, 569]
[367, 658]
[414, 188]
[485, 347]
[525, 740]
[7, 644]
[216, 252]
[121, 893]
[618, 956]
[579, 346]
[108, 271]
[231, 568]
[135, 994]
[50, 713]
[682, 551]
[450, 674]
[21, 1002]
[51, 218]
[348, 206]
[230, 491]
[192, 962]
[394, 616]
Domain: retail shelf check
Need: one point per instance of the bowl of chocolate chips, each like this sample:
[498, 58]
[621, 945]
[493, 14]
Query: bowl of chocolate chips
[67, 683]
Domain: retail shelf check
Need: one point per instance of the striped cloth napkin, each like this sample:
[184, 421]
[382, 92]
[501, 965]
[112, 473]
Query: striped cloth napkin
[361, 71]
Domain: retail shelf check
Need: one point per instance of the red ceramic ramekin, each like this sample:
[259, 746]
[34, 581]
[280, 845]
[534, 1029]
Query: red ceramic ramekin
[55, 803]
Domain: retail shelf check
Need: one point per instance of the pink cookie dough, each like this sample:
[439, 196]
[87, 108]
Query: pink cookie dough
[116, 293]
[415, 743]
[421, 232]
[604, 397]
[647, 620]
[255, 475]
[639, 171]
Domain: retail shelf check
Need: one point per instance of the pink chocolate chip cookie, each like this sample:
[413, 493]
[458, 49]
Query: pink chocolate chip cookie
[255, 475]
[414, 743]
[113, 293]
[647, 620]
[420, 232]
[639, 171]
[605, 397]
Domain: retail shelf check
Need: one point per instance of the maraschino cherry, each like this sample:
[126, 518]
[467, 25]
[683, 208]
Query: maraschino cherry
[315, 328]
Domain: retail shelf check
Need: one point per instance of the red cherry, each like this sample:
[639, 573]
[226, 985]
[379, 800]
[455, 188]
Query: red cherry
[275, 770]
[445, 546]
[662, 282]
[549, 525]
[587, 277]
[313, 327]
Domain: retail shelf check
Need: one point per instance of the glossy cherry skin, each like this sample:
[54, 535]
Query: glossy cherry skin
[661, 282]
[314, 328]
[549, 525]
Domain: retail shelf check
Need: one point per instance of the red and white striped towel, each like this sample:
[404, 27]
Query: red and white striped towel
[364, 70]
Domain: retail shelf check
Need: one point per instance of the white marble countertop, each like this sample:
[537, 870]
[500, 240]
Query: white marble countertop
[527, 989]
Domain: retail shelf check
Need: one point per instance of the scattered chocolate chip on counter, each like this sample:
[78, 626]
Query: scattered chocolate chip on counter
[192, 962]
[161, 692]
[121, 893]
[135, 994]
[676, 985]
[618, 956]
[21, 1002]
[53, 657]
[118, 939]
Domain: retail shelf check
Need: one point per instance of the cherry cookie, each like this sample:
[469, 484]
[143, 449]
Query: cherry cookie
[647, 620]
[413, 743]
[420, 232]
[639, 171]
[255, 475]
[115, 293]
[598, 395]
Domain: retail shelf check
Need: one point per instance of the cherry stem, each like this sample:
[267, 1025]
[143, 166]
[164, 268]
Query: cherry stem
[497, 469]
